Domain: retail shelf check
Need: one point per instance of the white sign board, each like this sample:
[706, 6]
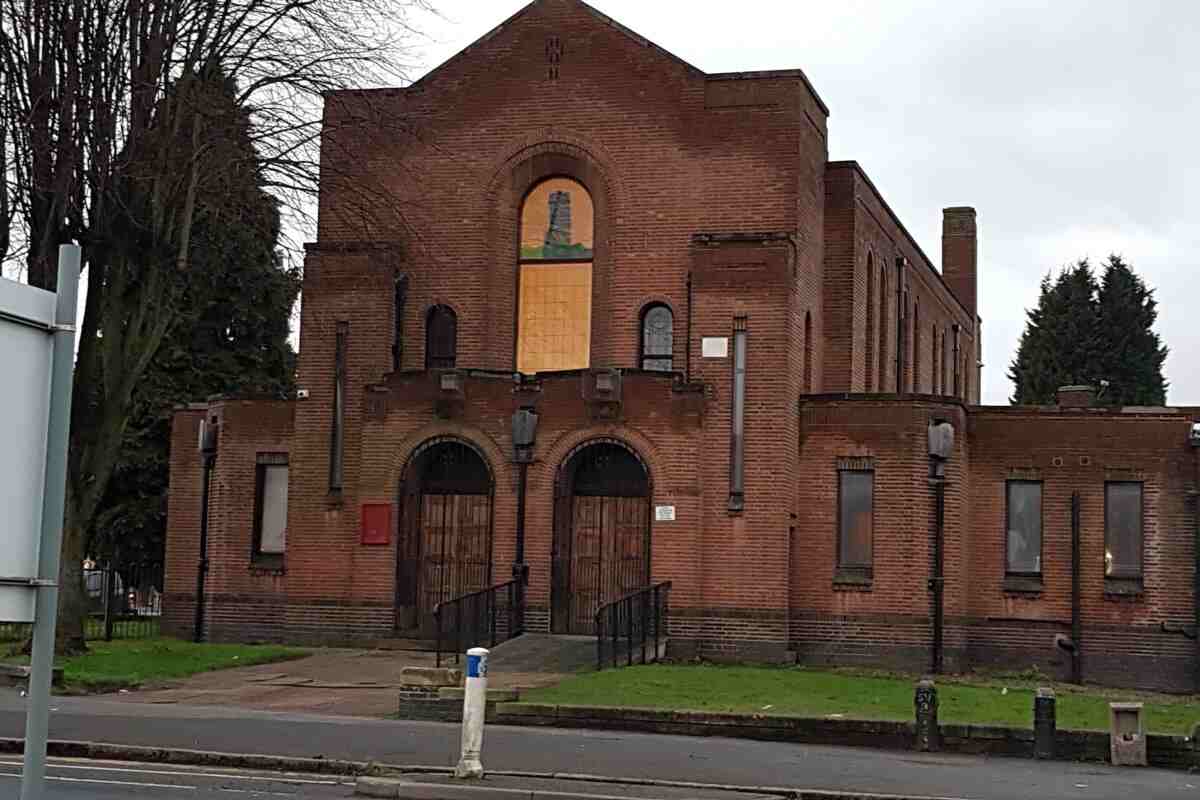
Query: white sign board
[664, 513]
[26, 315]
[714, 347]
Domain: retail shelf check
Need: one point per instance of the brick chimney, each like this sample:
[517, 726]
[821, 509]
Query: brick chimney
[960, 254]
[1076, 396]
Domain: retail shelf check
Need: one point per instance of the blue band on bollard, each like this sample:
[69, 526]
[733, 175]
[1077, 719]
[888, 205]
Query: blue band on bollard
[473, 666]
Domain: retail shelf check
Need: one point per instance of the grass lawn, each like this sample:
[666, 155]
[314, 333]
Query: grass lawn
[108, 666]
[854, 695]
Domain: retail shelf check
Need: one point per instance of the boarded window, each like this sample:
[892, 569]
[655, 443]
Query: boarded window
[1024, 536]
[856, 503]
[270, 508]
[1123, 530]
[441, 338]
[554, 322]
[658, 338]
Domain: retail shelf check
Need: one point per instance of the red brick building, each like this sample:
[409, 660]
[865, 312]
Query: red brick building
[576, 307]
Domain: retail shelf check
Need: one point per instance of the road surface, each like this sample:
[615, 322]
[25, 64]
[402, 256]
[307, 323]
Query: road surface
[729, 761]
[81, 780]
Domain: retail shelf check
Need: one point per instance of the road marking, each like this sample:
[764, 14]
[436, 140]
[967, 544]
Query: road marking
[281, 777]
[182, 787]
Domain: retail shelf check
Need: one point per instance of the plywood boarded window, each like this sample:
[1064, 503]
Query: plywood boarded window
[1024, 534]
[1123, 530]
[270, 509]
[555, 316]
[856, 522]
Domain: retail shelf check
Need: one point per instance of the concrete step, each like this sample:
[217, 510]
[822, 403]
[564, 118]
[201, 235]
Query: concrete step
[544, 652]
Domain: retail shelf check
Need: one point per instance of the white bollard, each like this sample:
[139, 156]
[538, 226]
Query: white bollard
[474, 710]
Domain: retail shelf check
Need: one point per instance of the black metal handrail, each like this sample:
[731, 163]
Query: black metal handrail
[486, 617]
[637, 620]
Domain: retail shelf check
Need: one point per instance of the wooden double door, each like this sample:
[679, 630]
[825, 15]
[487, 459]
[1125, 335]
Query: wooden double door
[601, 548]
[445, 545]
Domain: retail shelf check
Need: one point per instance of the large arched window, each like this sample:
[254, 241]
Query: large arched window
[554, 323]
[658, 338]
[441, 338]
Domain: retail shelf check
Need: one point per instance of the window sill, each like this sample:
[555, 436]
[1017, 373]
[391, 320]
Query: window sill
[267, 564]
[851, 580]
[1116, 588]
[1022, 584]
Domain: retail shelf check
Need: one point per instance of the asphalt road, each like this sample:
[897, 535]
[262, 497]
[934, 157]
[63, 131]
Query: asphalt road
[712, 760]
[80, 780]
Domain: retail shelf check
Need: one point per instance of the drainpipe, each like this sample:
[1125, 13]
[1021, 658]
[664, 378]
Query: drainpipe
[1195, 442]
[1076, 591]
[901, 262]
[941, 445]
[208, 453]
[687, 347]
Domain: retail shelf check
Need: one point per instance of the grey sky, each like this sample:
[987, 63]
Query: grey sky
[1070, 126]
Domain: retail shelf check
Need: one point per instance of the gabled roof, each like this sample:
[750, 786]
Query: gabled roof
[637, 38]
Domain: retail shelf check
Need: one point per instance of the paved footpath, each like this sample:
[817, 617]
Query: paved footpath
[709, 760]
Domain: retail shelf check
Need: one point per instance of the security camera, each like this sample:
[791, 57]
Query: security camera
[1195, 437]
[302, 394]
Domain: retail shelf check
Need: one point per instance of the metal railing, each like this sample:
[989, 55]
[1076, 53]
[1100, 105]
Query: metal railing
[633, 623]
[478, 619]
[122, 603]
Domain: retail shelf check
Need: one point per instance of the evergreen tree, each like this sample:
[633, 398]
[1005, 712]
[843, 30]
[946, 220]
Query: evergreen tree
[1059, 346]
[1085, 331]
[232, 338]
[1133, 352]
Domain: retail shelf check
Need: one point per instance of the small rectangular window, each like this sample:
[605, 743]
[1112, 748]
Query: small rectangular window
[1123, 530]
[856, 523]
[1024, 535]
[270, 510]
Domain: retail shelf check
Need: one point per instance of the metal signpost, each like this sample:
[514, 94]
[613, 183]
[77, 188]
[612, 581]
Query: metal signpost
[37, 357]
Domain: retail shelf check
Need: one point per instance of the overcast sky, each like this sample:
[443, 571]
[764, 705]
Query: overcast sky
[1070, 126]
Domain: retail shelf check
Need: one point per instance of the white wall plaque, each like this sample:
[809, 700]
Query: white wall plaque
[664, 513]
[714, 347]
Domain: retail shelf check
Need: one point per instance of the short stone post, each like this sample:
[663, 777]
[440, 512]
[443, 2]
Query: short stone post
[474, 711]
[1127, 735]
[1045, 723]
[925, 702]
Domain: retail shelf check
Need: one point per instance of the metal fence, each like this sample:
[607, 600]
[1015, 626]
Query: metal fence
[633, 629]
[480, 619]
[123, 602]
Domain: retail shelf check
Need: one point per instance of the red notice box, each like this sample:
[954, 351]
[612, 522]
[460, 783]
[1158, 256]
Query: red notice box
[376, 523]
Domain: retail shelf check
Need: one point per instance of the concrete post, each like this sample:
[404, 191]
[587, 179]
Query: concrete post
[474, 710]
[926, 704]
[1045, 723]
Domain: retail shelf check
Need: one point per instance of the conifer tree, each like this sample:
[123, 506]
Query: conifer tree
[1133, 352]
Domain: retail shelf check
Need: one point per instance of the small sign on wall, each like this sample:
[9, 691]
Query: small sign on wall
[664, 513]
[714, 347]
[377, 523]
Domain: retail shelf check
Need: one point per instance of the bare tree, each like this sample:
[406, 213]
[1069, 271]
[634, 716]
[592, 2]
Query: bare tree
[107, 137]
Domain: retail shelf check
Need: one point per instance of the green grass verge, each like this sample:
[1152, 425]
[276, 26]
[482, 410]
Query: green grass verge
[854, 695]
[108, 666]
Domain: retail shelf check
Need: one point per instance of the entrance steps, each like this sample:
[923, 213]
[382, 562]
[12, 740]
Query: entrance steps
[544, 653]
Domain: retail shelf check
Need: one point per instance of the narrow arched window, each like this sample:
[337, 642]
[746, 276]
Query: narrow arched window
[658, 338]
[441, 338]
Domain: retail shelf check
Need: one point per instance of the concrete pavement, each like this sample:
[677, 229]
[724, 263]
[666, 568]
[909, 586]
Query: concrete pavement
[708, 760]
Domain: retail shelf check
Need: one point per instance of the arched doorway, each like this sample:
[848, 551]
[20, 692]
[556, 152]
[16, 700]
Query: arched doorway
[601, 533]
[445, 542]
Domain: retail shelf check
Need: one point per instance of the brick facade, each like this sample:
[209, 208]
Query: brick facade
[714, 195]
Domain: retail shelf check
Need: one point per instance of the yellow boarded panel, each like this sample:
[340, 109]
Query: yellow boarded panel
[555, 327]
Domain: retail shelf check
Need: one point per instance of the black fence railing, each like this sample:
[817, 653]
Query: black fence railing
[633, 629]
[122, 603]
[480, 619]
